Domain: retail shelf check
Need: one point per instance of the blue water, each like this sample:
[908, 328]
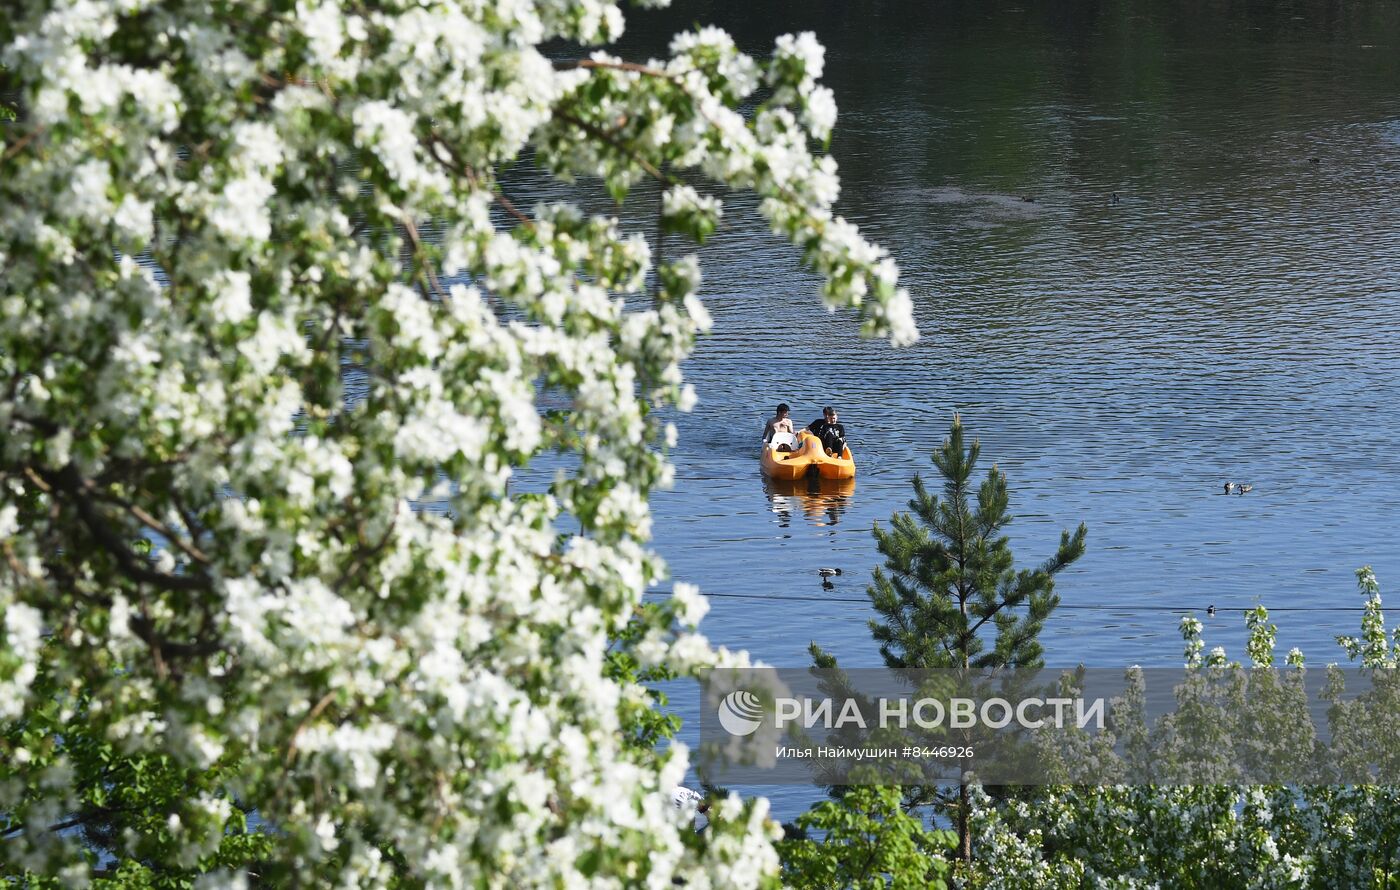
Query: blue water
[1234, 314]
[1151, 246]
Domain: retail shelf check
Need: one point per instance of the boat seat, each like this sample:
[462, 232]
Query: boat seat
[787, 439]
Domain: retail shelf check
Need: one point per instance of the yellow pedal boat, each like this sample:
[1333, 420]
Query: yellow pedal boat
[806, 456]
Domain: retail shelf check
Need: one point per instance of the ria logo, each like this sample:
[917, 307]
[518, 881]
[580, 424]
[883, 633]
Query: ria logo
[740, 713]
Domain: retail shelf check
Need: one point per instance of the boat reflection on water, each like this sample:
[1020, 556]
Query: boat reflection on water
[821, 500]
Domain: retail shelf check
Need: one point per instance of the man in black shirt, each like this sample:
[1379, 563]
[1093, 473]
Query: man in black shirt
[831, 433]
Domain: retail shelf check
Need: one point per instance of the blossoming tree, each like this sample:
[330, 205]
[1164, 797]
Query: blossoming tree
[212, 211]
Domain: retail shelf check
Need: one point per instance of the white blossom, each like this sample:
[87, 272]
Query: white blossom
[312, 391]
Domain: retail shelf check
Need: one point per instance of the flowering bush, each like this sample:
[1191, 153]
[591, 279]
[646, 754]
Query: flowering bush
[213, 212]
[1331, 834]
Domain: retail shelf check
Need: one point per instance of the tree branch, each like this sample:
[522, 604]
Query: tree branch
[599, 133]
[363, 553]
[311, 715]
[424, 265]
[633, 67]
[68, 823]
[71, 483]
[466, 170]
[146, 519]
[21, 143]
[15, 565]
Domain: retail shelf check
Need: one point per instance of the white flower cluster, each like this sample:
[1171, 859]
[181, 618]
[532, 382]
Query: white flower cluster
[21, 638]
[685, 209]
[798, 62]
[263, 296]
[684, 113]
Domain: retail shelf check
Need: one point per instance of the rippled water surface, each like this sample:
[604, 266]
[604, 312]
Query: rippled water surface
[1233, 314]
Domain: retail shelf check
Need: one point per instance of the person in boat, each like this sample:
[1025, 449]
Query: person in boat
[831, 433]
[780, 422]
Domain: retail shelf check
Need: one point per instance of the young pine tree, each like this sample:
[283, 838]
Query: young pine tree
[949, 587]
[949, 595]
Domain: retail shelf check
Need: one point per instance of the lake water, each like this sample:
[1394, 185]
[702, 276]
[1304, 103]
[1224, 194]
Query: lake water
[1234, 314]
